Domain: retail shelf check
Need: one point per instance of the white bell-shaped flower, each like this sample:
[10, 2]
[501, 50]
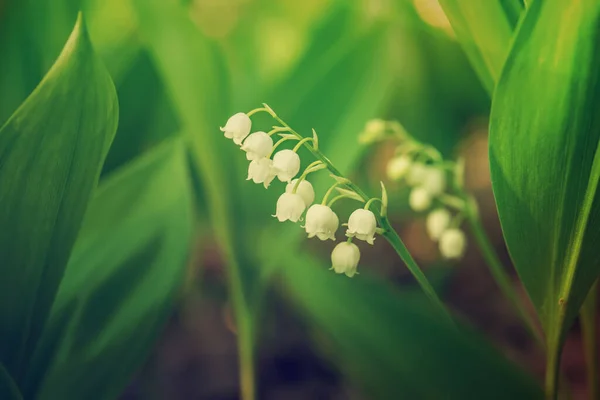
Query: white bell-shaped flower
[374, 130]
[344, 258]
[453, 243]
[286, 164]
[289, 206]
[237, 127]
[321, 222]
[305, 189]
[398, 167]
[416, 174]
[261, 171]
[362, 225]
[435, 181]
[419, 199]
[437, 222]
[258, 145]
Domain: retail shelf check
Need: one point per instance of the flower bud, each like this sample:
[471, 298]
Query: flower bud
[419, 199]
[416, 174]
[305, 189]
[374, 130]
[362, 225]
[261, 171]
[453, 243]
[258, 145]
[237, 127]
[397, 167]
[286, 164]
[289, 206]
[437, 222]
[344, 258]
[322, 222]
[434, 181]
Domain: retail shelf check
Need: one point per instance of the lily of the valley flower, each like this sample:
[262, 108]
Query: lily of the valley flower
[258, 145]
[344, 258]
[322, 222]
[290, 206]
[286, 164]
[362, 225]
[237, 127]
[437, 222]
[416, 174]
[434, 181]
[419, 199]
[261, 171]
[305, 189]
[453, 243]
[398, 167]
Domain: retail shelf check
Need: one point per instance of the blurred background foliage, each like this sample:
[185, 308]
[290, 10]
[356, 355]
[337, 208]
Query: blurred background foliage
[181, 67]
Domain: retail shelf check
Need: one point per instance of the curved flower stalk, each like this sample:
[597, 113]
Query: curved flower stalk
[321, 221]
[437, 189]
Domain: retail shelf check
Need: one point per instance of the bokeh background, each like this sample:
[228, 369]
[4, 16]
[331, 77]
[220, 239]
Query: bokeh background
[185, 66]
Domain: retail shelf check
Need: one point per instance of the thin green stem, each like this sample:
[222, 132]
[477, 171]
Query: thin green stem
[590, 342]
[392, 237]
[246, 359]
[371, 201]
[498, 272]
[301, 142]
[329, 191]
[341, 196]
[553, 353]
[277, 129]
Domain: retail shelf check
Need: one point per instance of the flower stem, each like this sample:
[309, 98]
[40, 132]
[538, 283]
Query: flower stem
[498, 272]
[392, 237]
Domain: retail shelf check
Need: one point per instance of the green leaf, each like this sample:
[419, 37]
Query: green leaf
[485, 30]
[51, 152]
[8, 387]
[121, 282]
[394, 345]
[545, 158]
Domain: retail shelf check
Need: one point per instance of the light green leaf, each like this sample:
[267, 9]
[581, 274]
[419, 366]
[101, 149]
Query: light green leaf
[545, 158]
[8, 388]
[122, 279]
[394, 345]
[51, 152]
[485, 30]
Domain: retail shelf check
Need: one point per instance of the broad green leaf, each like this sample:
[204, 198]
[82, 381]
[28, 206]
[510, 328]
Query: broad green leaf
[8, 387]
[51, 152]
[485, 30]
[394, 345]
[127, 266]
[545, 157]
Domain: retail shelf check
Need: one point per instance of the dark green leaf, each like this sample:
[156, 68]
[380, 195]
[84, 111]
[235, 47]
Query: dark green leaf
[545, 157]
[121, 281]
[485, 30]
[394, 344]
[51, 152]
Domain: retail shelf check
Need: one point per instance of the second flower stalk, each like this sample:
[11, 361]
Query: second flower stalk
[320, 220]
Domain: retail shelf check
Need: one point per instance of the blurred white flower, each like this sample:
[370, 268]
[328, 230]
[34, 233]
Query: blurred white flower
[417, 173]
[344, 258]
[374, 130]
[258, 145]
[453, 243]
[419, 199]
[237, 127]
[305, 189]
[289, 206]
[435, 181]
[261, 171]
[362, 225]
[286, 164]
[398, 166]
[322, 222]
[437, 222]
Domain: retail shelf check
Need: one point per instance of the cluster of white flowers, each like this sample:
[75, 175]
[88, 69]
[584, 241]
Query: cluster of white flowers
[424, 171]
[321, 221]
